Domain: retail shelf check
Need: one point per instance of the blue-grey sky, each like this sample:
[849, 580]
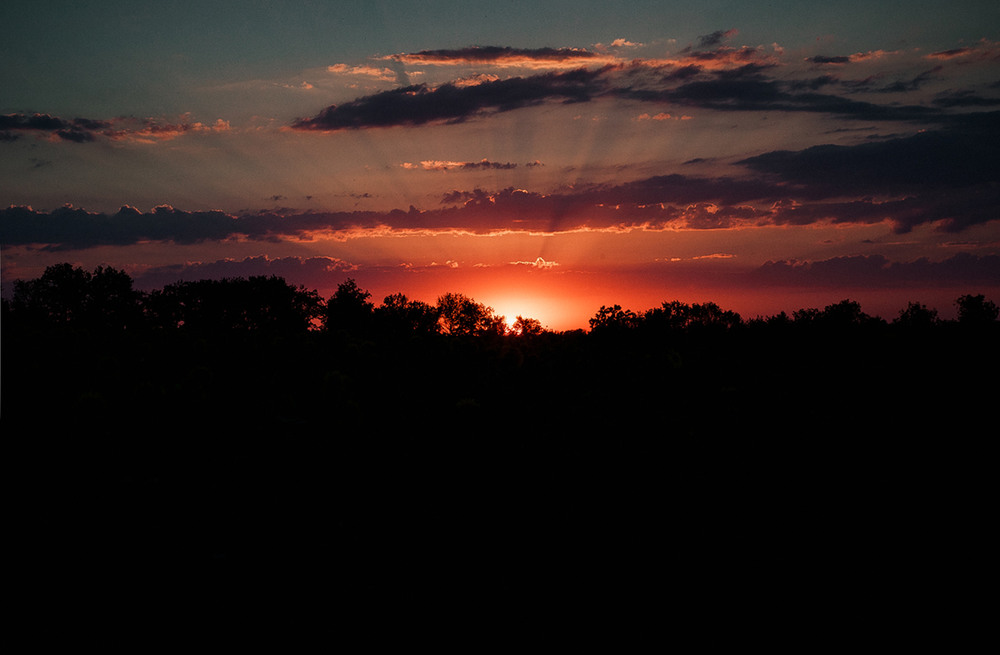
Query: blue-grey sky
[134, 56]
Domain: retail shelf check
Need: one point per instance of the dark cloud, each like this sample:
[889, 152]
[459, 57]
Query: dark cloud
[78, 130]
[727, 58]
[715, 38]
[812, 84]
[73, 228]
[911, 84]
[70, 228]
[76, 136]
[823, 59]
[948, 177]
[448, 103]
[951, 158]
[985, 50]
[718, 78]
[501, 55]
[86, 130]
[653, 202]
[488, 165]
[40, 122]
[679, 189]
[742, 88]
[965, 98]
[483, 164]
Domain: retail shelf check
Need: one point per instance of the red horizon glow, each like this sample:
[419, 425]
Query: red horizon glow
[568, 302]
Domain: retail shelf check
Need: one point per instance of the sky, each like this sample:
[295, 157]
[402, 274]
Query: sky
[543, 158]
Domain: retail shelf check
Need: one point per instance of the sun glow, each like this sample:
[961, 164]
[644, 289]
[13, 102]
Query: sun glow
[551, 312]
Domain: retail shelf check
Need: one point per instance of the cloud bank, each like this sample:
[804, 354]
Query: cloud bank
[947, 177]
[713, 77]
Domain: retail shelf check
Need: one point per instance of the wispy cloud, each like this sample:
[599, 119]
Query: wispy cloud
[86, 130]
[984, 50]
[715, 38]
[422, 104]
[385, 74]
[849, 59]
[506, 57]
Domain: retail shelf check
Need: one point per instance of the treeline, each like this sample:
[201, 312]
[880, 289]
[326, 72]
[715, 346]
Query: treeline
[260, 354]
[244, 431]
[71, 298]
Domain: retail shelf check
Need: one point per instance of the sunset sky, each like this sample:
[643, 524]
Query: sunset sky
[544, 158]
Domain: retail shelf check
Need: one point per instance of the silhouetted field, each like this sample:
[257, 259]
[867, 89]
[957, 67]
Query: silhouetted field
[244, 434]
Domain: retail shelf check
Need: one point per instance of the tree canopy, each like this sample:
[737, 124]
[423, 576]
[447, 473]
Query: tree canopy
[67, 297]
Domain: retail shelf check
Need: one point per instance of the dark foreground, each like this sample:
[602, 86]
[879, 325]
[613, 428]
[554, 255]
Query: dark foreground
[789, 476]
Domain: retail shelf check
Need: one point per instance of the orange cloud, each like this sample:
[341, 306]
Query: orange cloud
[153, 131]
[662, 116]
[537, 263]
[505, 57]
[383, 74]
[984, 50]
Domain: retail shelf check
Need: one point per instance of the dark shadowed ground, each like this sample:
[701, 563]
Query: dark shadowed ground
[781, 469]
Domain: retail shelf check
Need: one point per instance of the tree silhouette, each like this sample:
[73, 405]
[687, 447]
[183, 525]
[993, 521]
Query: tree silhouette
[844, 314]
[257, 304]
[806, 316]
[613, 319]
[399, 314]
[68, 297]
[526, 327]
[228, 434]
[916, 315]
[57, 297]
[976, 310]
[460, 315]
[349, 309]
[676, 315]
[113, 301]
